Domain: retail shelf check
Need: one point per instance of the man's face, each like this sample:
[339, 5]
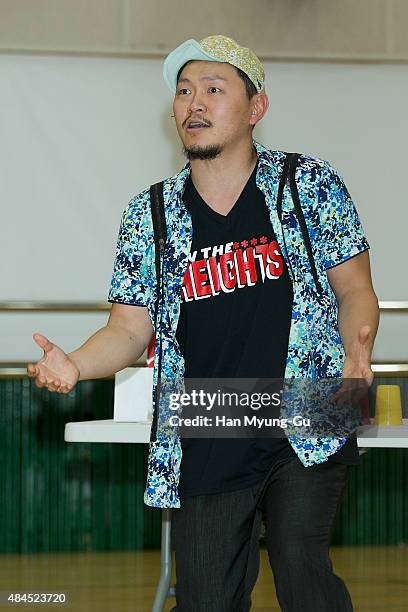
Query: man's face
[211, 109]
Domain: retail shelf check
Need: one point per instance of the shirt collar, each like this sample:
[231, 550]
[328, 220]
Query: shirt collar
[264, 157]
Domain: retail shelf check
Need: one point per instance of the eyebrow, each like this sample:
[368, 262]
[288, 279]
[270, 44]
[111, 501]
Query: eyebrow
[209, 77]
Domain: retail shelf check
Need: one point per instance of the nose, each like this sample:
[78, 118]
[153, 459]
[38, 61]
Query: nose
[196, 105]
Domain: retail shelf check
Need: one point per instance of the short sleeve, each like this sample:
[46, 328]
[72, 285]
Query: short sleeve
[127, 286]
[342, 234]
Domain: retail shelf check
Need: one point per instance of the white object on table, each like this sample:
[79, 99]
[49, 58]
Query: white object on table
[133, 395]
[368, 436]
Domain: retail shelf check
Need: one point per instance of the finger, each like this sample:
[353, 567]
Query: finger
[33, 370]
[40, 382]
[336, 395]
[53, 385]
[355, 393]
[343, 398]
[344, 393]
[343, 388]
[358, 396]
[43, 342]
[65, 388]
[367, 374]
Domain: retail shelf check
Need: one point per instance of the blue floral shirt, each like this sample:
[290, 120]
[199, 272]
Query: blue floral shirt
[315, 349]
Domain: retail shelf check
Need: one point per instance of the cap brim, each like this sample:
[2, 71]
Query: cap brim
[187, 51]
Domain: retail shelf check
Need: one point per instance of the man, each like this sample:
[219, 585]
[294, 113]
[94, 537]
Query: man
[242, 296]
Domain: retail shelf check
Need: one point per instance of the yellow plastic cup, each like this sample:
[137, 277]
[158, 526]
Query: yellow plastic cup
[388, 409]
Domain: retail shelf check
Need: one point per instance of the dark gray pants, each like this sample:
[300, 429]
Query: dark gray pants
[216, 542]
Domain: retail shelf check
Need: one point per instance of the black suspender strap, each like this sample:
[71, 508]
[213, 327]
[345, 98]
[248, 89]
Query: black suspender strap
[160, 237]
[282, 182]
[160, 234]
[299, 212]
[288, 176]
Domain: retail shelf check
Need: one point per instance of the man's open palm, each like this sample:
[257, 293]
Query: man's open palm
[55, 370]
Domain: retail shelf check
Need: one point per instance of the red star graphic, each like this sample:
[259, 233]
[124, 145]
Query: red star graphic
[235, 245]
[254, 241]
[244, 243]
[263, 239]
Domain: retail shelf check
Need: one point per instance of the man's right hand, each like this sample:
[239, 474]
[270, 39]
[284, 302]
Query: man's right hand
[55, 370]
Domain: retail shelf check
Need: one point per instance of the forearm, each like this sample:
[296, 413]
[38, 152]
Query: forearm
[357, 308]
[108, 351]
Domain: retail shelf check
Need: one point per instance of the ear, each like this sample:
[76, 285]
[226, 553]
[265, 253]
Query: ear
[259, 106]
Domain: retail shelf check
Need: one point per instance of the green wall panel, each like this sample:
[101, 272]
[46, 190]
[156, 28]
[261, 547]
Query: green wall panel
[374, 507]
[58, 496]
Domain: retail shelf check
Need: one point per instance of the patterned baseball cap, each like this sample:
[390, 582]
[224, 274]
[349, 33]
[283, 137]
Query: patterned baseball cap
[217, 48]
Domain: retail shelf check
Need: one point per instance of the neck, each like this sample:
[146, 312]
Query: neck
[225, 173]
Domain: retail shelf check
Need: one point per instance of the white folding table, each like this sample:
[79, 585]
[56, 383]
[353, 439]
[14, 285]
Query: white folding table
[138, 432]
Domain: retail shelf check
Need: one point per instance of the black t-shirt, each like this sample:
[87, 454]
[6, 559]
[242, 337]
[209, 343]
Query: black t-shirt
[234, 322]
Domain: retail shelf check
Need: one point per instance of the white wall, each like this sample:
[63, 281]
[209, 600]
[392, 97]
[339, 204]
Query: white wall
[79, 136]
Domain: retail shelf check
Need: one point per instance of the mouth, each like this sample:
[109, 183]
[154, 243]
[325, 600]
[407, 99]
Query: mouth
[195, 125]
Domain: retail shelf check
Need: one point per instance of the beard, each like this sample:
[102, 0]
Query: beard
[202, 152]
